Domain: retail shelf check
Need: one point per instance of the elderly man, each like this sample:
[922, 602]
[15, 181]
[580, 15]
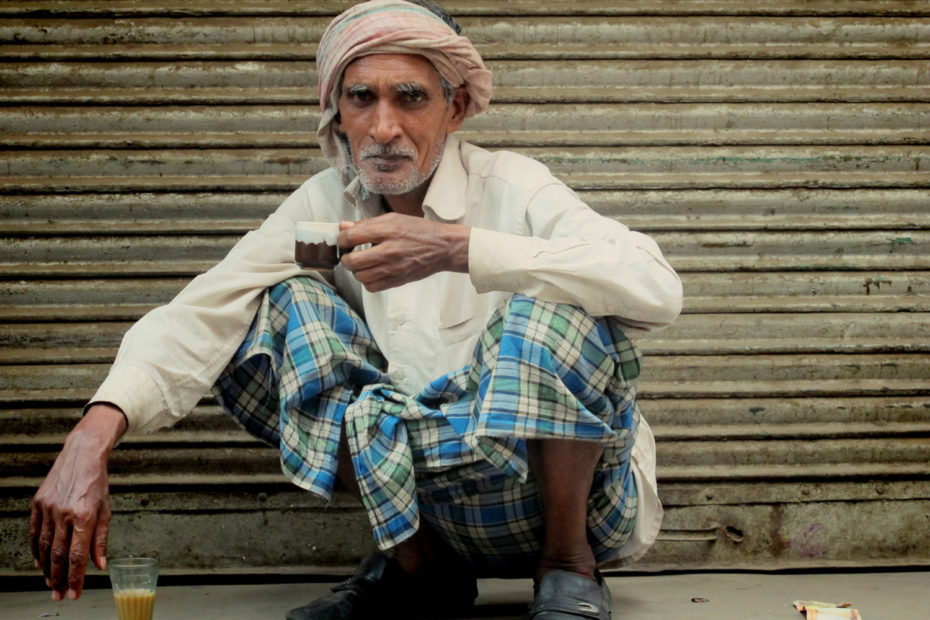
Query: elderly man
[464, 370]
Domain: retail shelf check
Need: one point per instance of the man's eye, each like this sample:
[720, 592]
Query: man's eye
[411, 94]
[360, 96]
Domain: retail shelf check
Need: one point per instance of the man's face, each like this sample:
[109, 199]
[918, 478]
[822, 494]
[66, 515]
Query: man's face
[393, 112]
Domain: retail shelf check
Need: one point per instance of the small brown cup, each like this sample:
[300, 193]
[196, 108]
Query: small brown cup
[315, 245]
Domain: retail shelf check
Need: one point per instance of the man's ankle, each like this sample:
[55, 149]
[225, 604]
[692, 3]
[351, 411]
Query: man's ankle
[583, 564]
[413, 555]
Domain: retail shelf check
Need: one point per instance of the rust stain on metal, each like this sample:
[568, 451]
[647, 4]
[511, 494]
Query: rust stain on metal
[877, 282]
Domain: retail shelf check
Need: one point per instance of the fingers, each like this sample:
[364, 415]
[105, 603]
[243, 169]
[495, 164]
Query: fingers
[44, 545]
[62, 546]
[377, 268]
[35, 528]
[69, 555]
[57, 562]
[363, 232]
[78, 556]
[402, 249]
[101, 533]
[374, 285]
[379, 228]
[359, 259]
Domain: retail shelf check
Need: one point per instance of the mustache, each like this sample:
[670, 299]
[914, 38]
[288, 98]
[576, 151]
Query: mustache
[386, 150]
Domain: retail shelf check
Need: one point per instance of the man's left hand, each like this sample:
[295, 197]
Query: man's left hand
[404, 248]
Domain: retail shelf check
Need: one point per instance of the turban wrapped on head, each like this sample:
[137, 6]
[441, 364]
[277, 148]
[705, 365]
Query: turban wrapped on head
[392, 27]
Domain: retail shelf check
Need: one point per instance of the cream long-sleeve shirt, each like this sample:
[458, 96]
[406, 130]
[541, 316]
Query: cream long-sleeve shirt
[530, 234]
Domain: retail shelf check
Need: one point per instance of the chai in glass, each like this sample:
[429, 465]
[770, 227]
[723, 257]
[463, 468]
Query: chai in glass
[135, 604]
[134, 582]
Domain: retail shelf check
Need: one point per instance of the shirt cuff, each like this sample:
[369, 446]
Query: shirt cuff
[137, 395]
[498, 261]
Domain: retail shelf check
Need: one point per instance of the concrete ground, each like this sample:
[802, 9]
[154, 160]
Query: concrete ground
[695, 596]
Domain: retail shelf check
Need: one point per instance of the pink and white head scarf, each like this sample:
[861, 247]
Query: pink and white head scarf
[392, 27]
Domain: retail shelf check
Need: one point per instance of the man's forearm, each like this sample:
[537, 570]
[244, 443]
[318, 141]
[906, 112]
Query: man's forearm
[457, 237]
[103, 425]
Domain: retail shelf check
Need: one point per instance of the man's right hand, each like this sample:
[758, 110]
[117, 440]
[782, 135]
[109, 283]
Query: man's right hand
[404, 248]
[71, 510]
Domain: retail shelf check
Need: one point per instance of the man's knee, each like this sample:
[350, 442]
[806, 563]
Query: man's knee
[304, 289]
[572, 336]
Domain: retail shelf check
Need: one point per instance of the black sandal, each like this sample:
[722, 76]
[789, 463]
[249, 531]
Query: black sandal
[563, 595]
[381, 589]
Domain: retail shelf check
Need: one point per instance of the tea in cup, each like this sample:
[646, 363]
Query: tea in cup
[133, 582]
[315, 245]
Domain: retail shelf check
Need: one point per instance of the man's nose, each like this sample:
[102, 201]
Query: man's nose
[385, 124]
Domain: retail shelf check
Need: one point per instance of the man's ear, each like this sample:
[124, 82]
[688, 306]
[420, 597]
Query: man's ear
[459, 105]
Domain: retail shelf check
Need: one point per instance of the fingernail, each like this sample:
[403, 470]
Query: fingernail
[56, 595]
[35, 564]
[103, 563]
[72, 594]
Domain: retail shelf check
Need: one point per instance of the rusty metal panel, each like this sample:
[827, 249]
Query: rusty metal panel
[477, 7]
[758, 333]
[523, 81]
[503, 125]
[766, 208]
[777, 150]
[499, 37]
[898, 296]
[586, 168]
[749, 251]
[232, 212]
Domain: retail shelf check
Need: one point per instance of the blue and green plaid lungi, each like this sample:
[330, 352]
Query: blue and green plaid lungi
[454, 454]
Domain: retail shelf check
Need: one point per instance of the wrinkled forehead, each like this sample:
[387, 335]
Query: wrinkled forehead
[389, 68]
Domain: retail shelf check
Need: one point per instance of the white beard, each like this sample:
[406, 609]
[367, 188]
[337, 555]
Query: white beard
[393, 186]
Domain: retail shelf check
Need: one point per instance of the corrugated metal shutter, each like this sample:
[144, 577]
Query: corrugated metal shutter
[778, 151]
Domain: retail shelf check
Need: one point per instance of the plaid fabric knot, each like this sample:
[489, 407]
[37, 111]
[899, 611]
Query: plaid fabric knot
[455, 453]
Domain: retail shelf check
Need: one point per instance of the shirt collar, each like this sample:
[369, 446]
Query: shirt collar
[445, 196]
[368, 205]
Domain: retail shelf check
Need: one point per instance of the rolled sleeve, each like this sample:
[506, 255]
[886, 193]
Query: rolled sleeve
[625, 277]
[137, 395]
[498, 261]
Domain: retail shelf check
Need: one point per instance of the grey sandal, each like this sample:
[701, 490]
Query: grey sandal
[562, 595]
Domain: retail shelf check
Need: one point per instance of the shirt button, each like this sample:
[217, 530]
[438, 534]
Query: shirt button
[398, 375]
